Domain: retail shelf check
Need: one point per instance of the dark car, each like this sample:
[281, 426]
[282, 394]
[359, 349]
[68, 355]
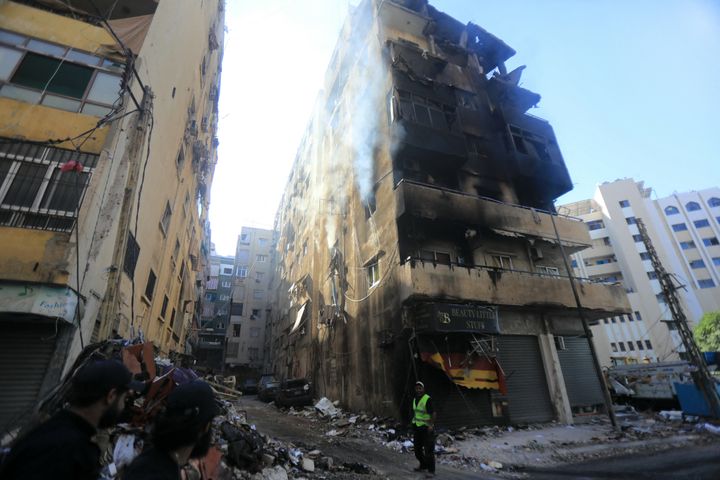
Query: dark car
[266, 378]
[294, 393]
[249, 386]
[268, 390]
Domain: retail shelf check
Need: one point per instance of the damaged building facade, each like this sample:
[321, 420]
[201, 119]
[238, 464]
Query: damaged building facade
[107, 150]
[417, 237]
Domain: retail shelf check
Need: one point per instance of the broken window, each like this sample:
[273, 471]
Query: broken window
[132, 252]
[435, 257]
[236, 330]
[502, 261]
[150, 286]
[425, 111]
[255, 314]
[373, 274]
[165, 220]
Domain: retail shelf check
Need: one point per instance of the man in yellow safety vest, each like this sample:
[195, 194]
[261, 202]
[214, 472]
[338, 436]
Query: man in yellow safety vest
[424, 425]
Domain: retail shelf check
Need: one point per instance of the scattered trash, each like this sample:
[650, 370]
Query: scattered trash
[708, 427]
[671, 415]
[326, 407]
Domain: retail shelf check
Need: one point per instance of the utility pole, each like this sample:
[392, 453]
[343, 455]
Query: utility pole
[702, 377]
[588, 333]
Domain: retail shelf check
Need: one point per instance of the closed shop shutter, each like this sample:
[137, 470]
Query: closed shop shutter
[456, 406]
[581, 382]
[26, 348]
[528, 395]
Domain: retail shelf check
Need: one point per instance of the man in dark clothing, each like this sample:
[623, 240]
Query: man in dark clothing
[424, 425]
[180, 432]
[62, 448]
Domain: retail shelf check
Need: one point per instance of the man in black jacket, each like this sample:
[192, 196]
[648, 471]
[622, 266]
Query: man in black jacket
[180, 432]
[62, 448]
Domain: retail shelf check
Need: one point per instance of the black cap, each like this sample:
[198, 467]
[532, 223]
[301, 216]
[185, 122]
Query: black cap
[194, 398]
[104, 375]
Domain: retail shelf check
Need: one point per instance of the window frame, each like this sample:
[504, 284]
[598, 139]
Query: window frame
[24, 48]
[671, 210]
[692, 206]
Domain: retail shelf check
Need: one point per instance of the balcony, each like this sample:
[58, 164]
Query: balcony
[509, 288]
[428, 201]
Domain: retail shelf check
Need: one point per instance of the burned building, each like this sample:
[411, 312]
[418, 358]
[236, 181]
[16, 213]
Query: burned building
[417, 237]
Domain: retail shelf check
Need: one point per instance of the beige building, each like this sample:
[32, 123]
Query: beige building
[684, 229]
[107, 150]
[250, 310]
[416, 234]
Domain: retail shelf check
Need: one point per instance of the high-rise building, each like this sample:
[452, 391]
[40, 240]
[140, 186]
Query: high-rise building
[417, 237]
[250, 309]
[215, 314]
[684, 229]
[107, 151]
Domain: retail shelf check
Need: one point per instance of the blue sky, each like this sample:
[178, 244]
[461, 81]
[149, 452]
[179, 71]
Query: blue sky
[632, 89]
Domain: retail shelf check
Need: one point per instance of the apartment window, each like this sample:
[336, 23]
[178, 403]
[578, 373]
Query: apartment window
[644, 256]
[716, 261]
[637, 238]
[165, 220]
[35, 192]
[622, 319]
[652, 275]
[259, 276]
[253, 353]
[426, 112]
[176, 250]
[648, 345]
[613, 320]
[638, 317]
[35, 71]
[631, 346]
[574, 264]
[629, 317]
[180, 159]
[226, 270]
[622, 346]
[671, 210]
[595, 225]
[236, 330]
[687, 245]
[710, 242]
[435, 257]
[262, 242]
[624, 203]
[660, 297]
[227, 284]
[697, 264]
[255, 315]
[605, 321]
[261, 258]
[692, 206]
[552, 271]
[714, 202]
[640, 345]
[631, 220]
[606, 241]
[679, 227]
[613, 346]
[244, 238]
[163, 310]
[254, 332]
[373, 274]
[502, 261]
[242, 271]
[150, 285]
[706, 283]
[224, 298]
[132, 253]
[701, 223]
[258, 294]
[236, 309]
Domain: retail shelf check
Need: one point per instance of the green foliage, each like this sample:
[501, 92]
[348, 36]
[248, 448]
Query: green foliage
[707, 332]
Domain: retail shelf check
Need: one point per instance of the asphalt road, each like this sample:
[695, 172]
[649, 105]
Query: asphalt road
[691, 463]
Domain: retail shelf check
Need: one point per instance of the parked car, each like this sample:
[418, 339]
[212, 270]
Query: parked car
[268, 391]
[249, 386]
[266, 378]
[295, 392]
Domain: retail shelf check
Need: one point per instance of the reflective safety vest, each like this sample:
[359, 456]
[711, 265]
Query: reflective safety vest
[422, 417]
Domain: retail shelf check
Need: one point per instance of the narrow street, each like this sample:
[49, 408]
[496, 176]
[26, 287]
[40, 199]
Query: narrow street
[303, 432]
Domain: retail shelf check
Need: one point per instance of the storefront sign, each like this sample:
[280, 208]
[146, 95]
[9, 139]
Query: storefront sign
[446, 317]
[53, 302]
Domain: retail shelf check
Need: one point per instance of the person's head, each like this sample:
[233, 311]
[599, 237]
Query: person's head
[186, 419]
[419, 389]
[102, 387]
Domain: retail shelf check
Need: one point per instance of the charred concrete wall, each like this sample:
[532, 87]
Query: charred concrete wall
[419, 169]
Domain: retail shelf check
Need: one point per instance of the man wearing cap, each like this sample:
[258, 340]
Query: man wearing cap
[424, 425]
[180, 432]
[62, 447]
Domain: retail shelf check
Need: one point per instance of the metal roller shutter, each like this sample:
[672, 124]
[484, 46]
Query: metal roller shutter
[528, 395]
[581, 382]
[26, 348]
